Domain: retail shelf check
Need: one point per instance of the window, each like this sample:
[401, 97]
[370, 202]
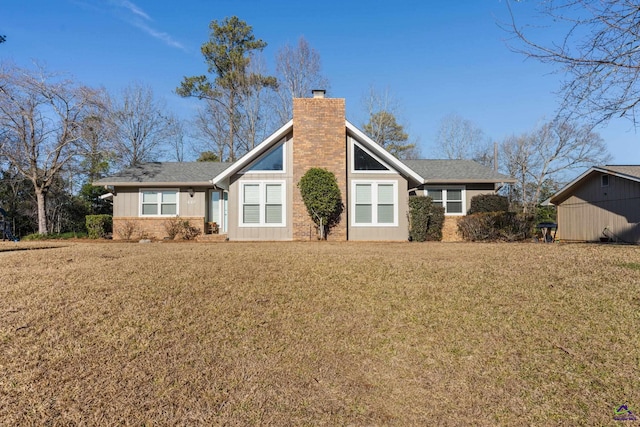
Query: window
[604, 180]
[272, 161]
[363, 161]
[451, 198]
[262, 203]
[375, 203]
[159, 203]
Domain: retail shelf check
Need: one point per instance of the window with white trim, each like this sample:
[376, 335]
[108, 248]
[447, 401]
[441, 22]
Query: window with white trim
[364, 161]
[262, 203]
[271, 161]
[451, 198]
[158, 202]
[375, 203]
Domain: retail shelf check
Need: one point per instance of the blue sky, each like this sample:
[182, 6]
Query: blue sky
[436, 58]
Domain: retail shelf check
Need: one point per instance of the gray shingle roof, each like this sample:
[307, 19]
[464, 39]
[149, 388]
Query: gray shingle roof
[455, 171]
[631, 170]
[185, 173]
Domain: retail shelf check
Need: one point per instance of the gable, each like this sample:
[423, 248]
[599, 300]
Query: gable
[589, 182]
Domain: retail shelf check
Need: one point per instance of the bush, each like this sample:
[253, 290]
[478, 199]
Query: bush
[489, 203]
[178, 227]
[496, 226]
[436, 223]
[425, 219]
[419, 209]
[321, 196]
[173, 227]
[127, 229]
[98, 226]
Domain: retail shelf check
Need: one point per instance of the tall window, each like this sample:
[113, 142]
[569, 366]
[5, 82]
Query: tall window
[159, 203]
[451, 198]
[262, 203]
[375, 203]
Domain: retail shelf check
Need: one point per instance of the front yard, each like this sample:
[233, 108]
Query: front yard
[318, 333]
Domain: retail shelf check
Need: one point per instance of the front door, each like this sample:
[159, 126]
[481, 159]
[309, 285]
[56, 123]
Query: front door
[218, 209]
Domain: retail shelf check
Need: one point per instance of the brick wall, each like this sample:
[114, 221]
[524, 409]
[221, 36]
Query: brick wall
[148, 228]
[319, 140]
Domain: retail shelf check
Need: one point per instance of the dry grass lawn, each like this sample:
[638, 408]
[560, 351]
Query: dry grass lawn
[318, 334]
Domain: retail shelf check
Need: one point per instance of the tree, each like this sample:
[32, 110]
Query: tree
[141, 128]
[3, 39]
[298, 70]
[382, 126]
[459, 138]
[598, 52]
[227, 54]
[390, 135]
[41, 117]
[95, 152]
[208, 156]
[542, 159]
[321, 195]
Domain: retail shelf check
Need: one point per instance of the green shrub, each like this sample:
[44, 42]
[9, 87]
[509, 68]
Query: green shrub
[489, 203]
[436, 223]
[496, 226]
[99, 225]
[425, 219]
[419, 209]
[321, 196]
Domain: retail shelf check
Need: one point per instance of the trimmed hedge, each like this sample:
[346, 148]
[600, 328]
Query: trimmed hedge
[425, 219]
[496, 226]
[488, 203]
[98, 226]
[436, 224]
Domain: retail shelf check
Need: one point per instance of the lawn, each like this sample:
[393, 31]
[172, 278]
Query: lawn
[318, 334]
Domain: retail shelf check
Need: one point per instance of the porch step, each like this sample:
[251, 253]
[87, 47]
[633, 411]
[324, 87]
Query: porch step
[211, 238]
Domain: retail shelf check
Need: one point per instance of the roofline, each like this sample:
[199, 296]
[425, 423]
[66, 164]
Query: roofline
[385, 154]
[467, 181]
[153, 184]
[247, 158]
[554, 198]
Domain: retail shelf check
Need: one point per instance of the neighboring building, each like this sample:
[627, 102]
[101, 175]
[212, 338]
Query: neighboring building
[256, 198]
[603, 202]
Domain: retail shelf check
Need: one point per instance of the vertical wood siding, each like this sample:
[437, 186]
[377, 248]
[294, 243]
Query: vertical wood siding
[592, 208]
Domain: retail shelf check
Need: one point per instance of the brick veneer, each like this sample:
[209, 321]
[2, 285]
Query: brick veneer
[319, 140]
[149, 228]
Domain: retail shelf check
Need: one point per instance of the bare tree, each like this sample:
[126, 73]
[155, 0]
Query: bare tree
[299, 71]
[211, 126]
[599, 53]
[41, 115]
[142, 128]
[254, 126]
[383, 110]
[459, 138]
[546, 156]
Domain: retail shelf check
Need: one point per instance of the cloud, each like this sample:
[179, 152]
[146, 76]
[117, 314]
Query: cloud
[134, 9]
[137, 17]
[166, 38]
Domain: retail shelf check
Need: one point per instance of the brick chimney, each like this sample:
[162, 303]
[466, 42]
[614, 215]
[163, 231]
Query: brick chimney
[319, 140]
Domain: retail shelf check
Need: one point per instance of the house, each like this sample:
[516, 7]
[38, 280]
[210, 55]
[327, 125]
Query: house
[256, 197]
[603, 202]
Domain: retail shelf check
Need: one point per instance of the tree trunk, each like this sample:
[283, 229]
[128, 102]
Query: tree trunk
[41, 198]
